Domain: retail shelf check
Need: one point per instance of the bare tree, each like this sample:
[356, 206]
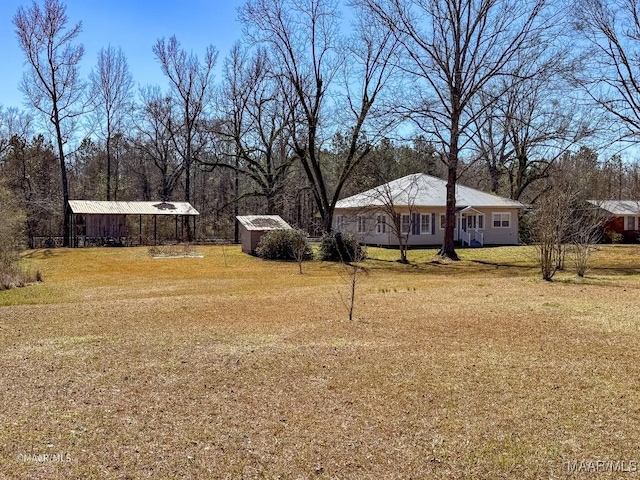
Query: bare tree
[551, 223]
[52, 83]
[588, 233]
[404, 221]
[111, 86]
[530, 126]
[155, 129]
[337, 84]
[563, 216]
[455, 48]
[256, 122]
[352, 277]
[13, 123]
[191, 83]
[611, 77]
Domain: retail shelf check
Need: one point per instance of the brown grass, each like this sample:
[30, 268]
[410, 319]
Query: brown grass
[126, 366]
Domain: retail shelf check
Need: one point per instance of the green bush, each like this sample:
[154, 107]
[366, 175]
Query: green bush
[284, 245]
[341, 247]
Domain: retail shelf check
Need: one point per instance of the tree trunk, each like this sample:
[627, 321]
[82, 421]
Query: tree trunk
[448, 246]
[66, 228]
[108, 148]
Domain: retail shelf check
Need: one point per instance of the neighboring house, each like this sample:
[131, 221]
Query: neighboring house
[624, 218]
[420, 202]
[252, 227]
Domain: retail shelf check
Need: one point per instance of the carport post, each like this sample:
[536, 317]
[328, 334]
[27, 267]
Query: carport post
[195, 232]
[140, 237]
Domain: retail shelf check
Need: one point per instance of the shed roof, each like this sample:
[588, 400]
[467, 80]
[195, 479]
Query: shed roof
[263, 222]
[618, 207]
[422, 190]
[96, 207]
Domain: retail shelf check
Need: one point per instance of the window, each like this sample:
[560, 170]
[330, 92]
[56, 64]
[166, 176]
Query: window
[501, 220]
[480, 222]
[443, 221]
[405, 224]
[362, 224]
[631, 223]
[381, 224]
[340, 223]
[425, 224]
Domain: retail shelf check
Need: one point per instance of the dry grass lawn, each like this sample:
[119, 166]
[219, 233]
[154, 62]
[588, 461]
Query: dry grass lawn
[120, 365]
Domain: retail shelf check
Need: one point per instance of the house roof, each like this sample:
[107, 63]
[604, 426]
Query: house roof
[618, 207]
[422, 190]
[263, 222]
[95, 207]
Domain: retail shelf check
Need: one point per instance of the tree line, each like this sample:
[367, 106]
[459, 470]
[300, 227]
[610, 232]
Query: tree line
[320, 100]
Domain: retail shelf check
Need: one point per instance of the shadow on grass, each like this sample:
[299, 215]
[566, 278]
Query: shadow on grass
[42, 253]
[461, 267]
[503, 264]
[616, 270]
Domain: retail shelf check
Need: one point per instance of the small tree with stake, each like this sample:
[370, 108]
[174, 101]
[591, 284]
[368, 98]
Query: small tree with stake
[353, 270]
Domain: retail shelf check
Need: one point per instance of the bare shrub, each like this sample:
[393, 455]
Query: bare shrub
[12, 240]
[352, 275]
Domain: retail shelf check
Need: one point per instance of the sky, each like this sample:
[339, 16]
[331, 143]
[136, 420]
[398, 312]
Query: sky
[133, 25]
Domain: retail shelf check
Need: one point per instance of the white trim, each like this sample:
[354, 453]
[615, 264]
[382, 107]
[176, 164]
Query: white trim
[381, 224]
[500, 217]
[426, 231]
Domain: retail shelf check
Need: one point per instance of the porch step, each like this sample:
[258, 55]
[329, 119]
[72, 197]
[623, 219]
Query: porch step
[475, 243]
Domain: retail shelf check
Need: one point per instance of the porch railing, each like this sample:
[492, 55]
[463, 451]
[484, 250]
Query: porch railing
[471, 235]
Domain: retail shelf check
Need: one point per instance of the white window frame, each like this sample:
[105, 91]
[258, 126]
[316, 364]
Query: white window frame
[340, 223]
[425, 231]
[629, 226]
[403, 230]
[381, 224]
[501, 217]
[443, 221]
[362, 224]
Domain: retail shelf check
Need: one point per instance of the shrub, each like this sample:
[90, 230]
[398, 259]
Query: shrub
[284, 245]
[613, 237]
[341, 247]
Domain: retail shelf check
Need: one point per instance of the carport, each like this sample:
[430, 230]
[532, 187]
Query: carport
[105, 223]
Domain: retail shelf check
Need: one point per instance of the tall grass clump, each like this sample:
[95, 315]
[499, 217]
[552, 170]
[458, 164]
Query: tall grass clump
[12, 240]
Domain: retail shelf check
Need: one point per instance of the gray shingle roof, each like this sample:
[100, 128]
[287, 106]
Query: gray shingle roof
[96, 207]
[618, 207]
[422, 190]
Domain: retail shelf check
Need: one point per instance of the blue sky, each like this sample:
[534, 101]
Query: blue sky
[133, 25]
